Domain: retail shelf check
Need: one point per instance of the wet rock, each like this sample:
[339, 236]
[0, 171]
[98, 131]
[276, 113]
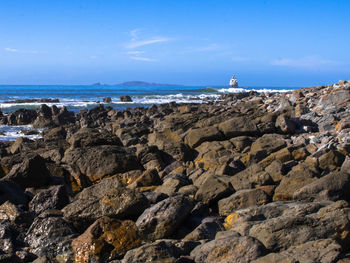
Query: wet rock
[106, 239]
[107, 198]
[161, 220]
[242, 199]
[229, 250]
[125, 98]
[31, 172]
[22, 117]
[52, 198]
[107, 100]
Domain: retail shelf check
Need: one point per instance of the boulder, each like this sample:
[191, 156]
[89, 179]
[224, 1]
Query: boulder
[331, 160]
[107, 100]
[125, 98]
[107, 198]
[206, 230]
[10, 191]
[92, 137]
[212, 189]
[50, 235]
[195, 137]
[301, 175]
[229, 249]
[106, 239]
[266, 145]
[172, 183]
[250, 177]
[242, 199]
[324, 250]
[162, 219]
[281, 232]
[238, 126]
[285, 124]
[55, 197]
[96, 162]
[168, 251]
[31, 172]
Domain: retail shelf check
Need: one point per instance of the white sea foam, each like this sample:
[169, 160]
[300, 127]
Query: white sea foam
[239, 90]
[11, 133]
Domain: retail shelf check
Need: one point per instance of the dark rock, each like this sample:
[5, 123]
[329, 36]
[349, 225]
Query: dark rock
[22, 117]
[52, 198]
[107, 198]
[107, 100]
[161, 220]
[96, 162]
[50, 235]
[206, 230]
[10, 191]
[32, 172]
[92, 137]
[125, 98]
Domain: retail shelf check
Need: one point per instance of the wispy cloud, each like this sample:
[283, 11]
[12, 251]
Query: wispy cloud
[134, 52]
[141, 43]
[211, 47]
[142, 58]
[134, 34]
[310, 62]
[14, 50]
[11, 50]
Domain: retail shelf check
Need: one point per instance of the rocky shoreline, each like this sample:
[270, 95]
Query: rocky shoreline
[253, 177]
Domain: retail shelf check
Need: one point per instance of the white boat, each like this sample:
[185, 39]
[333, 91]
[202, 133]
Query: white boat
[233, 82]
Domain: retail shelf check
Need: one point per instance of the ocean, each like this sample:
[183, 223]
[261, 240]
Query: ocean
[76, 98]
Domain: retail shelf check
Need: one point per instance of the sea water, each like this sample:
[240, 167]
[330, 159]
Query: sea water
[76, 98]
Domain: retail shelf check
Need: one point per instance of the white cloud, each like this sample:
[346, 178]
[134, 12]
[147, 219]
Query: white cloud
[211, 47]
[134, 34]
[306, 62]
[141, 43]
[136, 52]
[142, 59]
[13, 50]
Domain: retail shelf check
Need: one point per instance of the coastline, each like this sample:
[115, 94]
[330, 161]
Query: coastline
[183, 182]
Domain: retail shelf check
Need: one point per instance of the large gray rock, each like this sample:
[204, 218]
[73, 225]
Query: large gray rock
[206, 230]
[159, 251]
[242, 199]
[266, 145]
[250, 177]
[305, 225]
[324, 251]
[107, 198]
[238, 126]
[93, 137]
[52, 198]
[196, 137]
[50, 235]
[229, 249]
[161, 220]
[212, 189]
[97, 162]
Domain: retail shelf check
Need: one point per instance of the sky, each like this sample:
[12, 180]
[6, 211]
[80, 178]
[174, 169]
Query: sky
[203, 42]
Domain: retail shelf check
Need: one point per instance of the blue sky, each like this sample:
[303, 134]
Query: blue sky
[202, 42]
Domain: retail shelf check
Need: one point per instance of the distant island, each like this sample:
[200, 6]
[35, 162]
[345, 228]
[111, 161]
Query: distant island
[136, 83]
